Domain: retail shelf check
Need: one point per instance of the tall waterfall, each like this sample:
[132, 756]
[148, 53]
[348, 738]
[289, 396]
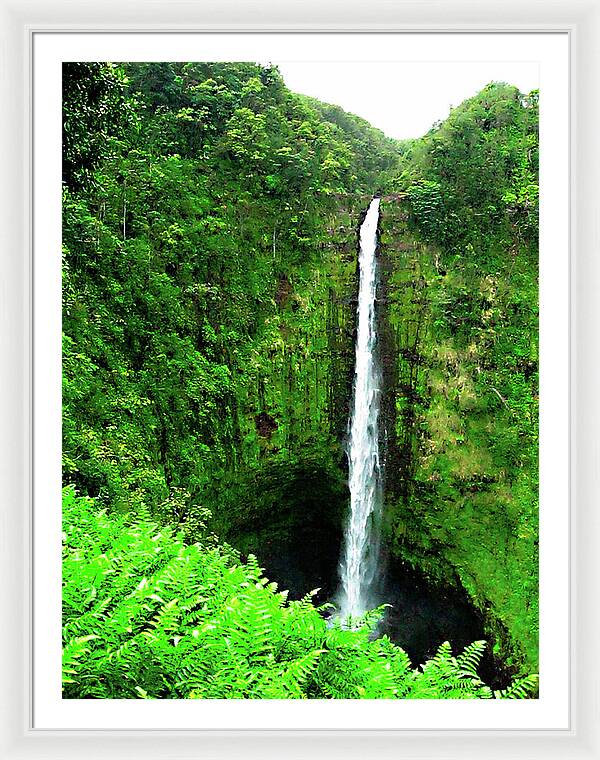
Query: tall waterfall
[361, 548]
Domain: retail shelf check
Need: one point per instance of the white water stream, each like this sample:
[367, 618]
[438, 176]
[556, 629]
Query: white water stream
[358, 565]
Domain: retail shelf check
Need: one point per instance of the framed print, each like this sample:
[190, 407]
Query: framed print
[306, 456]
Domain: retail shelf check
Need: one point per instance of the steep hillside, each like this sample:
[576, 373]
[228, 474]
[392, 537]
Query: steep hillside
[460, 338]
[209, 237]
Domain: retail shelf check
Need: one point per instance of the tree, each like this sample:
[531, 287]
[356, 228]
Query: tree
[96, 114]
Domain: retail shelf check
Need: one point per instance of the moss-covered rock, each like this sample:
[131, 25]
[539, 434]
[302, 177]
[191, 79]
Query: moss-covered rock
[460, 360]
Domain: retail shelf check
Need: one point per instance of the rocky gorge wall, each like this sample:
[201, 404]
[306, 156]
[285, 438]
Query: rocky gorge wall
[460, 362]
[285, 496]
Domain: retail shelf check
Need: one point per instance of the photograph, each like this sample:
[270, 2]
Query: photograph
[300, 380]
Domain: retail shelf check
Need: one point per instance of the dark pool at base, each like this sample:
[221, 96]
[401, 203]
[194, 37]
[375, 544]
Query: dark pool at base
[421, 617]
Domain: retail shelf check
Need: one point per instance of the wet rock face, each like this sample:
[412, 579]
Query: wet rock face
[423, 615]
[304, 552]
[265, 425]
[298, 532]
[460, 464]
[303, 561]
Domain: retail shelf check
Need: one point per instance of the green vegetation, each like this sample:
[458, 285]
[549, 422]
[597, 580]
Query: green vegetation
[147, 616]
[208, 269]
[461, 251]
[209, 272]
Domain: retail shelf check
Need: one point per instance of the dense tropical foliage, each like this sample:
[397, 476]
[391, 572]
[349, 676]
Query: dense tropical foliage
[148, 616]
[202, 224]
[209, 278]
[463, 307]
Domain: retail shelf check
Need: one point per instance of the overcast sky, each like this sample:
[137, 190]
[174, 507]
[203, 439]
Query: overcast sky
[402, 99]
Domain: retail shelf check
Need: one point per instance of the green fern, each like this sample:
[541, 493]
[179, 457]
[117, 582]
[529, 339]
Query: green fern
[146, 616]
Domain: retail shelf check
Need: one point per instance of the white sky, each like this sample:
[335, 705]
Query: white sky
[403, 99]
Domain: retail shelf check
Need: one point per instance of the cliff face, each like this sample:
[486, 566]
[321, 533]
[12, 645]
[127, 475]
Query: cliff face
[460, 362]
[285, 495]
[235, 401]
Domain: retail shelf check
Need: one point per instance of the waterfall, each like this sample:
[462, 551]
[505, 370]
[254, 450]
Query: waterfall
[361, 541]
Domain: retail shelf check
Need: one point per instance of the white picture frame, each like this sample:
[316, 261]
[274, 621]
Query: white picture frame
[581, 21]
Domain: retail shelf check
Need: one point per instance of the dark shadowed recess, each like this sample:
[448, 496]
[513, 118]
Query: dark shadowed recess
[295, 525]
[298, 538]
[423, 615]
